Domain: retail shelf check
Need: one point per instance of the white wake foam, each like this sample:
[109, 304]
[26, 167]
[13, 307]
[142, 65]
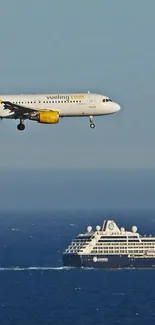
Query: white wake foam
[34, 268]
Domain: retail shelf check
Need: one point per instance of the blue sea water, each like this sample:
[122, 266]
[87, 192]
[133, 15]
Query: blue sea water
[36, 289]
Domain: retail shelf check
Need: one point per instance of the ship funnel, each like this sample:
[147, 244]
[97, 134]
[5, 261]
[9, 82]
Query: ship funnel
[110, 226]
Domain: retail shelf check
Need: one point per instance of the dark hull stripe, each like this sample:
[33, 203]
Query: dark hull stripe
[108, 261]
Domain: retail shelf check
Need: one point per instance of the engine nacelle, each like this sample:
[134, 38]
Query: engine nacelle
[48, 117]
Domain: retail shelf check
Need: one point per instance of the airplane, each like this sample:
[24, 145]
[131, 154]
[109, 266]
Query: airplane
[49, 108]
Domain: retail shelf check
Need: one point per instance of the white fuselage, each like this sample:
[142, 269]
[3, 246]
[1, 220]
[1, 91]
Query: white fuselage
[68, 105]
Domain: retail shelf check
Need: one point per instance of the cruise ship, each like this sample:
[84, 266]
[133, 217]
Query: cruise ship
[110, 247]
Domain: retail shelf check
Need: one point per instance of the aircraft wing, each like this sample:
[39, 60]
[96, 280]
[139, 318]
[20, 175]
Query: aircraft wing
[18, 110]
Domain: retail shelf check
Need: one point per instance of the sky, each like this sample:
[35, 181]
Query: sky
[57, 46]
[58, 190]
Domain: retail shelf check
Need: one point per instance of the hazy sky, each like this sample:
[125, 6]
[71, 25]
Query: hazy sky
[30, 190]
[104, 46]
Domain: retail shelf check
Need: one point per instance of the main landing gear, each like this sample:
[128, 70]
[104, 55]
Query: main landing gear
[21, 126]
[92, 125]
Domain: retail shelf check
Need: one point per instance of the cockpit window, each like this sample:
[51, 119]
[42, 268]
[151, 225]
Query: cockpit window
[105, 100]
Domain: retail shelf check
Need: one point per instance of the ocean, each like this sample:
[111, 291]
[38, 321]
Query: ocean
[36, 289]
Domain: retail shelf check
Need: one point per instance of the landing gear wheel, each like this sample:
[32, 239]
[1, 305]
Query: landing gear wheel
[91, 119]
[21, 127]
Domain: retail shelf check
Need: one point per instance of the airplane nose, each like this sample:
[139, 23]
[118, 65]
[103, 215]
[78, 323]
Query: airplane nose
[118, 107]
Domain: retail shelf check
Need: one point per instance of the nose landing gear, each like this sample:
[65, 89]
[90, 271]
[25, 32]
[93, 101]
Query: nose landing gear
[21, 126]
[92, 125]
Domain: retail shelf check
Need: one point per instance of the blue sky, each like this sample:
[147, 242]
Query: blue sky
[104, 46]
[58, 190]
